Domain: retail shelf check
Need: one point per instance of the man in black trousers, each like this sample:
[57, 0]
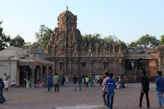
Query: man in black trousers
[144, 89]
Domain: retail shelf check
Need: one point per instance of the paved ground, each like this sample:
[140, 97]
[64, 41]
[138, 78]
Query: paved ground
[67, 98]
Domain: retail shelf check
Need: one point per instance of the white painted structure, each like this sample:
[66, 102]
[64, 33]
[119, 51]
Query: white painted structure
[9, 58]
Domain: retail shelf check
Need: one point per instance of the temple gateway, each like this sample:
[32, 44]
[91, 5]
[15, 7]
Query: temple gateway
[71, 56]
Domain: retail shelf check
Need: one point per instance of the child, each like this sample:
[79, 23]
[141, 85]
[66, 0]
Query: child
[38, 84]
[2, 99]
[13, 83]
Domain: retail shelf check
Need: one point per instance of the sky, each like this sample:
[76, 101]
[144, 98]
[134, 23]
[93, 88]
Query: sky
[128, 20]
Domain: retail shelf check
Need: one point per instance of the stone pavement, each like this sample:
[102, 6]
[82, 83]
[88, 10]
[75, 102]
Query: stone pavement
[82, 107]
[67, 98]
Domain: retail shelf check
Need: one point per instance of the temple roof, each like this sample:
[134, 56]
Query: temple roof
[66, 14]
[12, 52]
[20, 55]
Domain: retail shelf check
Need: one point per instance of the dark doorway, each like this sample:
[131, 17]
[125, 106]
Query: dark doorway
[22, 75]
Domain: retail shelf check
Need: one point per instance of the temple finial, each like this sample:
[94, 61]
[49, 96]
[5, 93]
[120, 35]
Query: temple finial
[67, 7]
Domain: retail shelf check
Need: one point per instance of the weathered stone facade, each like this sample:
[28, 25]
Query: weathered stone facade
[71, 56]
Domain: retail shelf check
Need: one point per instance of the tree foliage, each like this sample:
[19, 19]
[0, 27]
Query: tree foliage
[145, 41]
[95, 38]
[91, 39]
[4, 39]
[42, 37]
[162, 40]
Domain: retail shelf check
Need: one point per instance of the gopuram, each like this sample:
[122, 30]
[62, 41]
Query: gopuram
[71, 56]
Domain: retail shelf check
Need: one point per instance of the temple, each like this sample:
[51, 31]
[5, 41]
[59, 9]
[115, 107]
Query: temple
[71, 56]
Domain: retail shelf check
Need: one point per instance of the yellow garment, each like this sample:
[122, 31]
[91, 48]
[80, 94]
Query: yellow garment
[87, 79]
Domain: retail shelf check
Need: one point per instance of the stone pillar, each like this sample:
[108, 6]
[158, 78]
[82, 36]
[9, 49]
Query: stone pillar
[76, 64]
[53, 69]
[37, 73]
[32, 77]
[17, 76]
[161, 58]
[90, 67]
[46, 70]
[41, 74]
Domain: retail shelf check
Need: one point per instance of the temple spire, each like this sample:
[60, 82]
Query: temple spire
[67, 7]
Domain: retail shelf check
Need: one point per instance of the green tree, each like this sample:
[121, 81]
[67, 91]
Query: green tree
[145, 41]
[35, 45]
[132, 44]
[42, 36]
[162, 40]
[95, 38]
[110, 39]
[27, 45]
[91, 39]
[4, 39]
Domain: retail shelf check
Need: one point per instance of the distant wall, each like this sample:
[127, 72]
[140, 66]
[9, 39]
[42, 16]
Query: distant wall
[38, 53]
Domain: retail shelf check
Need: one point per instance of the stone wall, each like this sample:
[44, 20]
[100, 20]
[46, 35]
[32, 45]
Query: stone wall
[71, 56]
[161, 58]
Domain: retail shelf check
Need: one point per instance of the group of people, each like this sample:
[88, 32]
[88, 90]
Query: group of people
[83, 81]
[109, 84]
[78, 81]
[145, 89]
[108, 89]
[53, 80]
[121, 81]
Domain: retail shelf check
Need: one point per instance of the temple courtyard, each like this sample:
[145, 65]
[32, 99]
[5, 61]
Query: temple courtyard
[67, 98]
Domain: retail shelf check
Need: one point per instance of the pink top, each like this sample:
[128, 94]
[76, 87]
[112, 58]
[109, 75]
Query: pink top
[104, 86]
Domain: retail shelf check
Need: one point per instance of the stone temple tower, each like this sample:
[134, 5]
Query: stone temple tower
[65, 37]
[73, 56]
[64, 43]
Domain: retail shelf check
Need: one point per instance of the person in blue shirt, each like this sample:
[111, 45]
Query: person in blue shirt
[2, 98]
[160, 88]
[49, 80]
[110, 90]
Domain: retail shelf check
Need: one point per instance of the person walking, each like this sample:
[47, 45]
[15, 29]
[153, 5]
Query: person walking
[49, 80]
[63, 80]
[91, 81]
[87, 81]
[144, 89]
[110, 90]
[83, 81]
[56, 82]
[27, 80]
[160, 88]
[2, 98]
[6, 81]
[75, 79]
[105, 88]
[80, 82]
[101, 80]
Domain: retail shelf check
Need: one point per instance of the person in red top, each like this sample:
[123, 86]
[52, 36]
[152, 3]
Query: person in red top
[105, 87]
